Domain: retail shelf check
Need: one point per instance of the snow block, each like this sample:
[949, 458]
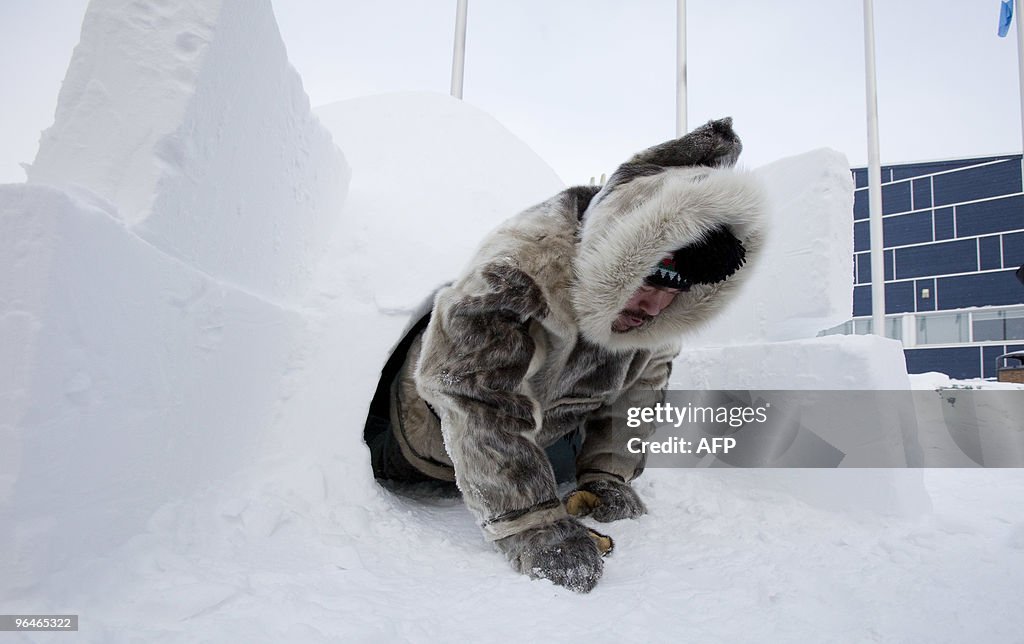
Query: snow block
[804, 280]
[129, 379]
[825, 363]
[970, 424]
[433, 176]
[834, 362]
[188, 118]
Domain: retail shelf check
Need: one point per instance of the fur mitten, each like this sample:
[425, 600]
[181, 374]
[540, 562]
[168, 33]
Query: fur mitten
[605, 500]
[563, 552]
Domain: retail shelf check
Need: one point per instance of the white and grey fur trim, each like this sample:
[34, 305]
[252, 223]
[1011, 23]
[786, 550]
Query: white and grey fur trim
[629, 229]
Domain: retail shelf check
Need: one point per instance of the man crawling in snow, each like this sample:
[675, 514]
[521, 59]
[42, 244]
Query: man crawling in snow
[565, 309]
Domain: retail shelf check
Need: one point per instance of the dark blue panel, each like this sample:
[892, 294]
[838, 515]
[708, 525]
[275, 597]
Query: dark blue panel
[989, 252]
[920, 169]
[943, 223]
[863, 268]
[908, 171]
[958, 362]
[989, 360]
[896, 197]
[860, 178]
[922, 194]
[981, 289]
[861, 300]
[977, 183]
[941, 258]
[1013, 250]
[860, 204]
[907, 229]
[899, 297]
[925, 304]
[987, 217]
[861, 236]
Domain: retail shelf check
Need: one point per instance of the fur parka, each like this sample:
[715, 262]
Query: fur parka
[520, 349]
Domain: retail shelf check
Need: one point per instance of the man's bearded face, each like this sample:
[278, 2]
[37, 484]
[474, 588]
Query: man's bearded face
[642, 307]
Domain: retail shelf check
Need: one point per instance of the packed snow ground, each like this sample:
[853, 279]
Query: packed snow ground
[718, 559]
[180, 421]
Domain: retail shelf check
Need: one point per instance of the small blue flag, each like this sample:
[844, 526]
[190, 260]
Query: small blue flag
[1005, 17]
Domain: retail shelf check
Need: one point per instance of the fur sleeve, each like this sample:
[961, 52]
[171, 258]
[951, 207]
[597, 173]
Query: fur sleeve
[476, 355]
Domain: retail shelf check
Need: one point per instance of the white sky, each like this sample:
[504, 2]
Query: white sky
[588, 82]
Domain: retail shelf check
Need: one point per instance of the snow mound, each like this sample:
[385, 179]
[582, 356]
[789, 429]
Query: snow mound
[936, 380]
[929, 380]
[432, 176]
[188, 118]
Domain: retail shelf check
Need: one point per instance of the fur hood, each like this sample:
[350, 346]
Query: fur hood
[664, 198]
[629, 226]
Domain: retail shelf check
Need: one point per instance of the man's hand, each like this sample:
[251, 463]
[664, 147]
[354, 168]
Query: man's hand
[563, 551]
[605, 500]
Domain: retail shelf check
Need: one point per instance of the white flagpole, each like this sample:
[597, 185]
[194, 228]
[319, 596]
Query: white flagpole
[680, 67]
[874, 178]
[459, 56]
[1020, 74]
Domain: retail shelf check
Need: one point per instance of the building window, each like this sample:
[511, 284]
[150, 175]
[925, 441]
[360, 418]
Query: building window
[998, 325]
[893, 328]
[947, 328]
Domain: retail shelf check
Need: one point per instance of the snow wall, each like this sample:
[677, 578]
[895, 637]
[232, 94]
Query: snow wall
[765, 339]
[805, 279]
[189, 120]
[201, 290]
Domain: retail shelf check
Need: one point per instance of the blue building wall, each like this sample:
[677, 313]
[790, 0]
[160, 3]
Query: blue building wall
[953, 234]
